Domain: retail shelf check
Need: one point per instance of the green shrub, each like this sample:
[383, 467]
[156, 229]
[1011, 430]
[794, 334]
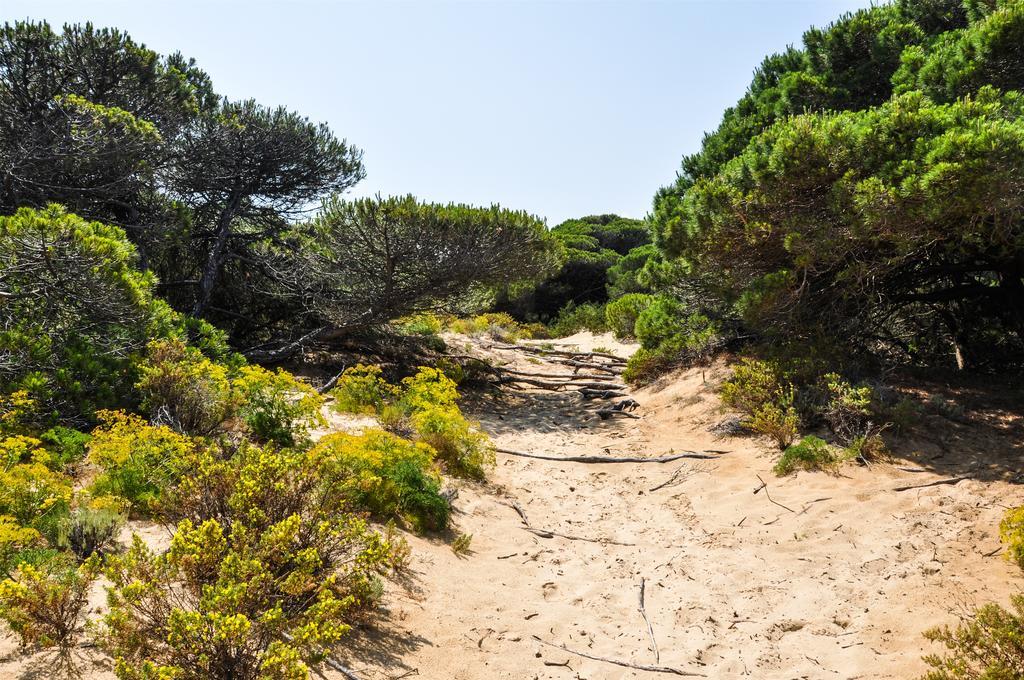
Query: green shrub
[985, 647]
[811, 453]
[848, 409]
[138, 462]
[574, 318]
[621, 314]
[388, 476]
[90, 530]
[265, 572]
[661, 320]
[759, 390]
[44, 607]
[424, 323]
[778, 420]
[361, 389]
[181, 387]
[277, 406]
[66, 446]
[1011, 533]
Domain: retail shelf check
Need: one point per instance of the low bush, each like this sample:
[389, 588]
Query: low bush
[90, 530]
[66, 446]
[574, 318]
[848, 409]
[986, 646]
[138, 461]
[45, 607]
[622, 313]
[1011, 534]
[361, 389]
[387, 475]
[182, 388]
[810, 453]
[276, 406]
[264, 572]
[760, 391]
[496, 325]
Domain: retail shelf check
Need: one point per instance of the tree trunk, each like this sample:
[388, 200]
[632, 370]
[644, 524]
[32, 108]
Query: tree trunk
[213, 264]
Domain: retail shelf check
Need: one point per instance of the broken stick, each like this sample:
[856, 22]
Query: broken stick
[938, 482]
[620, 662]
[764, 486]
[547, 533]
[612, 459]
[650, 628]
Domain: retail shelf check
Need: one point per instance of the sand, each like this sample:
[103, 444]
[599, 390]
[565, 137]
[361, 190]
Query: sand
[839, 583]
[736, 586]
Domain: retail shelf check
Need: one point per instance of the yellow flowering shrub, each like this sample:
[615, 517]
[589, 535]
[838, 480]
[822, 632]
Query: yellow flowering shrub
[181, 386]
[1011, 534]
[277, 406]
[44, 607]
[387, 475]
[262, 576]
[138, 461]
[361, 389]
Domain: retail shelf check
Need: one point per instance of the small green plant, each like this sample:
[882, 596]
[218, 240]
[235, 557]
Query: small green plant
[362, 389]
[461, 544]
[987, 646]
[66, 446]
[810, 453]
[389, 476]
[574, 318]
[1011, 534]
[622, 313]
[276, 406]
[759, 390]
[848, 409]
[44, 606]
[90, 530]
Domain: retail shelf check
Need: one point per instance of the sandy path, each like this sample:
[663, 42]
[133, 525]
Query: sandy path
[736, 586]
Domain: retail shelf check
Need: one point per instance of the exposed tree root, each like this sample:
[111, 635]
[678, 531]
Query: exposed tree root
[612, 459]
[547, 533]
[938, 482]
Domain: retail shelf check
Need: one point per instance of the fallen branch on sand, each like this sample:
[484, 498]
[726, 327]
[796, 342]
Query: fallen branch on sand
[938, 482]
[650, 628]
[606, 413]
[764, 487]
[547, 533]
[562, 352]
[613, 459]
[620, 662]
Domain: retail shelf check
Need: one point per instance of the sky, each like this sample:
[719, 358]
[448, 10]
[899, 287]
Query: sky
[561, 108]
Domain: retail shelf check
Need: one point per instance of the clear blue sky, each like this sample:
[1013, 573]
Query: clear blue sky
[560, 108]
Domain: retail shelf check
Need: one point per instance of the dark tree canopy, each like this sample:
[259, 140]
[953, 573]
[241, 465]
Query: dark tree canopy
[866, 190]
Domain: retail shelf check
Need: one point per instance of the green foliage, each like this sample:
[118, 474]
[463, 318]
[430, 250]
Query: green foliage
[574, 318]
[45, 608]
[622, 313]
[785, 219]
[461, 544]
[361, 389]
[759, 390]
[264, 573]
[388, 476]
[669, 337]
[1011, 534]
[428, 399]
[593, 250]
[179, 385]
[810, 453]
[138, 462]
[66, 446]
[90, 530]
[75, 311]
[984, 647]
[496, 325]
[276, 406]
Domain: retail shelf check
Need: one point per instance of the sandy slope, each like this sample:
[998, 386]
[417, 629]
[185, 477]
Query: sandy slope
[839, 585]
[736, 586]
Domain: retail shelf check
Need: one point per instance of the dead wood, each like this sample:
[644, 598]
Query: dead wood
[764, 486]
[620, 662]
[591, 393]
[547, 533]
[938, 482]
[606, 413]
[612, 459]
[650, 628]
[561, 353]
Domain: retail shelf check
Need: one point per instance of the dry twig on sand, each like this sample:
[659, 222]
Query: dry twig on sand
[650, 628]
[547, 533]
[764, 487]
[612, 459]
[938, 482]
[620, 662]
